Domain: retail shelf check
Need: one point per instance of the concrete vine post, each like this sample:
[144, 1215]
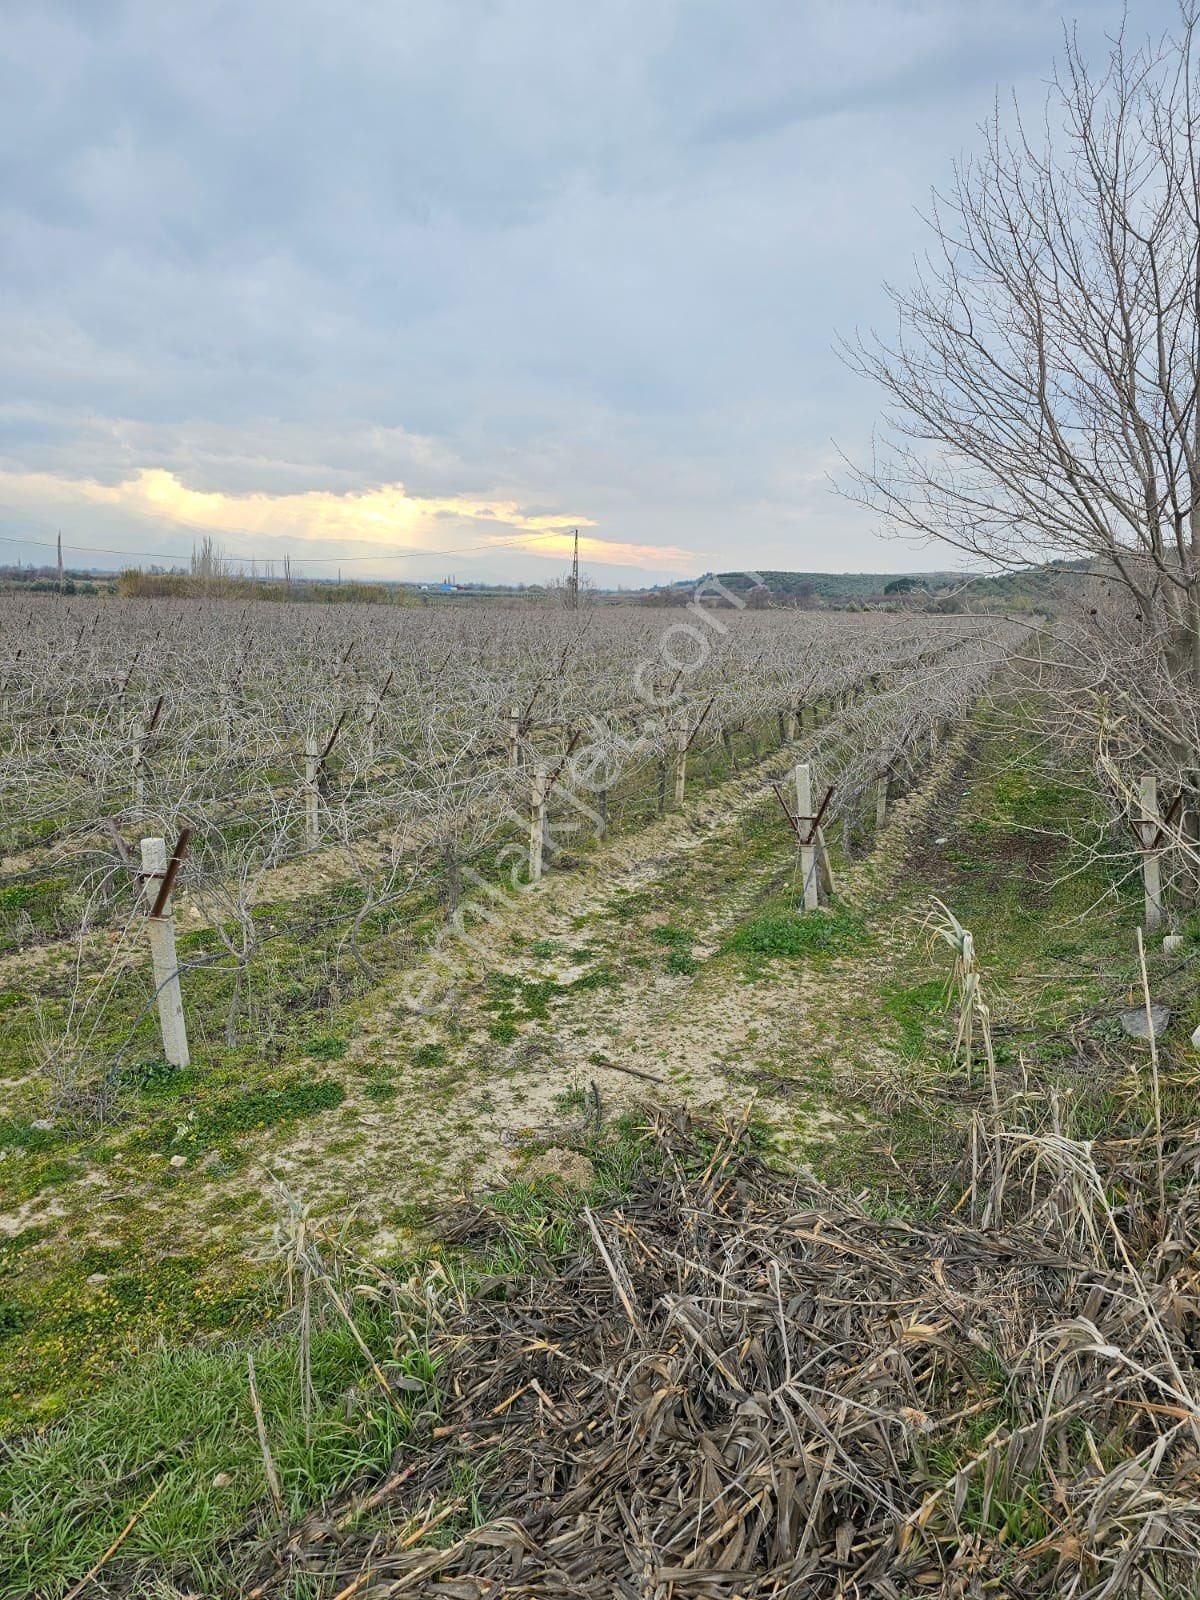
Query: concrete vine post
[1148, 830]
[804, 821]
[312, 759]
[161, 929]
[537, 823]
[139, 768]
[681, 749]
[514, 736]
[372, 703]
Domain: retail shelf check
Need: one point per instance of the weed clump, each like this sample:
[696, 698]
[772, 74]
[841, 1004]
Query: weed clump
[784, 934]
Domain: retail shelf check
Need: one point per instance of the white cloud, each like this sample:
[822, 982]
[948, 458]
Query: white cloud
[507, 253]
[370, 526]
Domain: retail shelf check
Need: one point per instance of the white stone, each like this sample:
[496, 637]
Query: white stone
[179, 1161]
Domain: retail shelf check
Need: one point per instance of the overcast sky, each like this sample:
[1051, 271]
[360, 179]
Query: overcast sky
[357, 277]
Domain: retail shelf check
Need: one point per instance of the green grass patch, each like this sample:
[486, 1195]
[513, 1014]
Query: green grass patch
[19, 1133]
[42, 902]
[428, 1057]
[44, 895]
[151, 1075]
[265, 1108]
[598, 978]
[913, 1008]
[572, 1099]
[226, 1116]
[513, 999]
[1023, 795]
[326, 1047]
[180, 1425]
[14, 1317]
[380, 1089]
[678, 941]
[785, 934]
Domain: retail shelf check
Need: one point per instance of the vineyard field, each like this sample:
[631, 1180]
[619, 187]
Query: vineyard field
[458, 899]
[337, 921]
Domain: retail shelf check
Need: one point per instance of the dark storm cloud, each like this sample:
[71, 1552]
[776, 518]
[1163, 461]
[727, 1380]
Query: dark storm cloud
[585, 258]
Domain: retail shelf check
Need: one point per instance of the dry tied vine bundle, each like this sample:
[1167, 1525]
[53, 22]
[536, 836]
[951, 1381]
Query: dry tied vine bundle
[736, 1384]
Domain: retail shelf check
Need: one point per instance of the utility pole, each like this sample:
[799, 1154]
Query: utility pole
[60, 565]
[573, 597]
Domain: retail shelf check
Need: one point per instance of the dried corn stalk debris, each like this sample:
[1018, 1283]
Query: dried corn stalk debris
[736, 1384]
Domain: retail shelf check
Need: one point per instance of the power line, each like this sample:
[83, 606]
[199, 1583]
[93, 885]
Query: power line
[320, 561]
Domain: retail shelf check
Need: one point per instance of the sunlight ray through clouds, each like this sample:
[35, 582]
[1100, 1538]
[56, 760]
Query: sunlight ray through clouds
[384, 515]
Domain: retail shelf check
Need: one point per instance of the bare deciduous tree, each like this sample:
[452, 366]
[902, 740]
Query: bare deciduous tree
[1044, 378]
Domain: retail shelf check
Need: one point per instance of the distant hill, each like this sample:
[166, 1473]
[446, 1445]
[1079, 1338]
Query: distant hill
[834, 585]
[1026, 588]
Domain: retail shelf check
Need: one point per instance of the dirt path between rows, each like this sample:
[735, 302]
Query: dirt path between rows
[709, 1037]
[469, 1087]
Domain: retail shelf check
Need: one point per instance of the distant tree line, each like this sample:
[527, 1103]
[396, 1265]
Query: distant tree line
[138, 584]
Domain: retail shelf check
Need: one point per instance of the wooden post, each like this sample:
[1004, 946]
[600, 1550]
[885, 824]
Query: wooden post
[162, 953]
[881, 798]
[662, 784]
[681, 750]
[312, 831]
[601, 827]
[537, 823]
[139, 768]
[808, 852]
[514, 737]
[1151, 867]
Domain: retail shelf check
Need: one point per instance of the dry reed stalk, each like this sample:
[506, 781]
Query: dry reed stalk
[809, 1397]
